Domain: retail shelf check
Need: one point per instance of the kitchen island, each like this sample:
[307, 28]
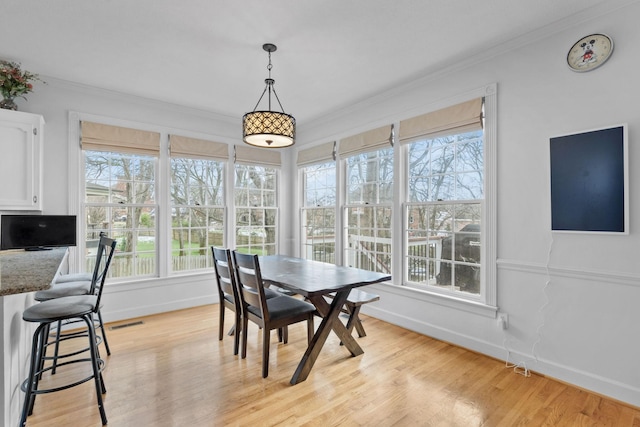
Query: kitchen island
[21, 274]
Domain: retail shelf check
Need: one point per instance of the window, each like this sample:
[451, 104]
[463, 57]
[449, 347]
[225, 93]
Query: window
[122, 182]
[445, 199]
[120, 167]
[256, 209]
[197, 172]
[120, 201]
[368, 210]
[197, 211]
[445, 194]
[319, 212]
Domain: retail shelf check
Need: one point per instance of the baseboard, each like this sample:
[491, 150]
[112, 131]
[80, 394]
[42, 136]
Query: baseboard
[625, 393]
[147, 310]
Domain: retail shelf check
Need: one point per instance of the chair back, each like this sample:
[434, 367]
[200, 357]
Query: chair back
[106, 249]
[249, 282]
[225, 276]
[98, 268]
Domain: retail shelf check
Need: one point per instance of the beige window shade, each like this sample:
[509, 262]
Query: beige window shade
[182, 146]
[460, 118]
[267, 157]
[317, 154]
[366, 141]
[100, 137]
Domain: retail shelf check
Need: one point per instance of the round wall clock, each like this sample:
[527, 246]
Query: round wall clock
[589, 52]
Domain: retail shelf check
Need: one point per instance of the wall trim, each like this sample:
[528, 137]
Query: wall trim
[147, 102]
[614, 277]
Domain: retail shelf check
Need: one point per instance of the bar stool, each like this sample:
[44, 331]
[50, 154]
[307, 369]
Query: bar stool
[69, 308]
[78, 288]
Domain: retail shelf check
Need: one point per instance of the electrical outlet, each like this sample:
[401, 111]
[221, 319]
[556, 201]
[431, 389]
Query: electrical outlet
[503, 320]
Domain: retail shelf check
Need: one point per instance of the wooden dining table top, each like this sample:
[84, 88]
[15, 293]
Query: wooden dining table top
[313, 280]
[310, 278]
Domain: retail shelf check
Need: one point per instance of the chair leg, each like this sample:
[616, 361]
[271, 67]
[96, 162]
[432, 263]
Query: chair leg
[221, 327]
[236, 335]
[245, 326]
[56, 347]
[43, 355]
[285, 334]
[100, 389]
[32, 380]
[104, 334]
[266, 336]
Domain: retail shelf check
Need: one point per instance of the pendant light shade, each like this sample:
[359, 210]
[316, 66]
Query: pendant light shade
[269, 129]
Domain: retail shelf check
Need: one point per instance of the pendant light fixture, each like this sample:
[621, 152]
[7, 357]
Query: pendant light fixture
[269, 129]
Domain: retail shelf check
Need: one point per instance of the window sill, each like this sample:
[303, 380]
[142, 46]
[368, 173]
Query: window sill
[449, 301]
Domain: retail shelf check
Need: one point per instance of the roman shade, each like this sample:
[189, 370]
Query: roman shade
[182, 146]
[101, 137]
[366, 141]
[256, 156]
[318, 154]
[459, 118]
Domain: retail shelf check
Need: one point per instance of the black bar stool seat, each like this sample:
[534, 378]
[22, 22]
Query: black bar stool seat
[53, 311]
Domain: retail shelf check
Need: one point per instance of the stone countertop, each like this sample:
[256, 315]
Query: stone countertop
[28, 271]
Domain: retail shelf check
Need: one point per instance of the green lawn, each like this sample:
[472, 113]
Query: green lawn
[147, 249]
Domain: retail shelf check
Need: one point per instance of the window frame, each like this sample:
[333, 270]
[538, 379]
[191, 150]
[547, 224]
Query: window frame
[408, 204]
[195, 206]
[377, 205]
[276, 197]
[305, 208]
[486, 302]
[76, 181]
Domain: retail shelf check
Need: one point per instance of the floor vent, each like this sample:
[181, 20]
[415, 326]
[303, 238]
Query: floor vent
[126, 325]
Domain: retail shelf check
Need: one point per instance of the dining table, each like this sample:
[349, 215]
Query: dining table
[314, 280]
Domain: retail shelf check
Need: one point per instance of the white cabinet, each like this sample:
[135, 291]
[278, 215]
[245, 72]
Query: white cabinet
[20, 160]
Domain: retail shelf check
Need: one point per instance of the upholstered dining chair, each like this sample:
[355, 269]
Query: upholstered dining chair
[267, 313]
[228, 293]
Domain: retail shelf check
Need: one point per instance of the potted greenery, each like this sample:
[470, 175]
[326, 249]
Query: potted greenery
[14, 82]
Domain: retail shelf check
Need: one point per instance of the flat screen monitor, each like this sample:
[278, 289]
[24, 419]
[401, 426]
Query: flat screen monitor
[37, 232]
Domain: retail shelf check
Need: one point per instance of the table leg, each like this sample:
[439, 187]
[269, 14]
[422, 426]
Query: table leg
[330, 321]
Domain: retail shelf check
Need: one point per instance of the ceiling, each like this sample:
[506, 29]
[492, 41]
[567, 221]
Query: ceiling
[207, 54]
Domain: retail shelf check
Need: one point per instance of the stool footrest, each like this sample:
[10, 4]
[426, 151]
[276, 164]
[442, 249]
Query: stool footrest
[24, 384]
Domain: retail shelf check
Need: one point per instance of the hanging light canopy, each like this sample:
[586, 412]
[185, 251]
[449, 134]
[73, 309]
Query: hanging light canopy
[269, 129]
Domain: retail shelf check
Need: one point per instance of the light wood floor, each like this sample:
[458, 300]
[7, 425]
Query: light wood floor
[172, 371]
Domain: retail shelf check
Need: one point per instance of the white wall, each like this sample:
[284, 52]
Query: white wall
[572, 299]
[582, 327]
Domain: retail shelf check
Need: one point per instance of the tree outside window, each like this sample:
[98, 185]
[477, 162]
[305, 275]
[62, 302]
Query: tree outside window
[120, 201]
[445, 189]
[197, 211]
[319, 212]
[256, 209]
